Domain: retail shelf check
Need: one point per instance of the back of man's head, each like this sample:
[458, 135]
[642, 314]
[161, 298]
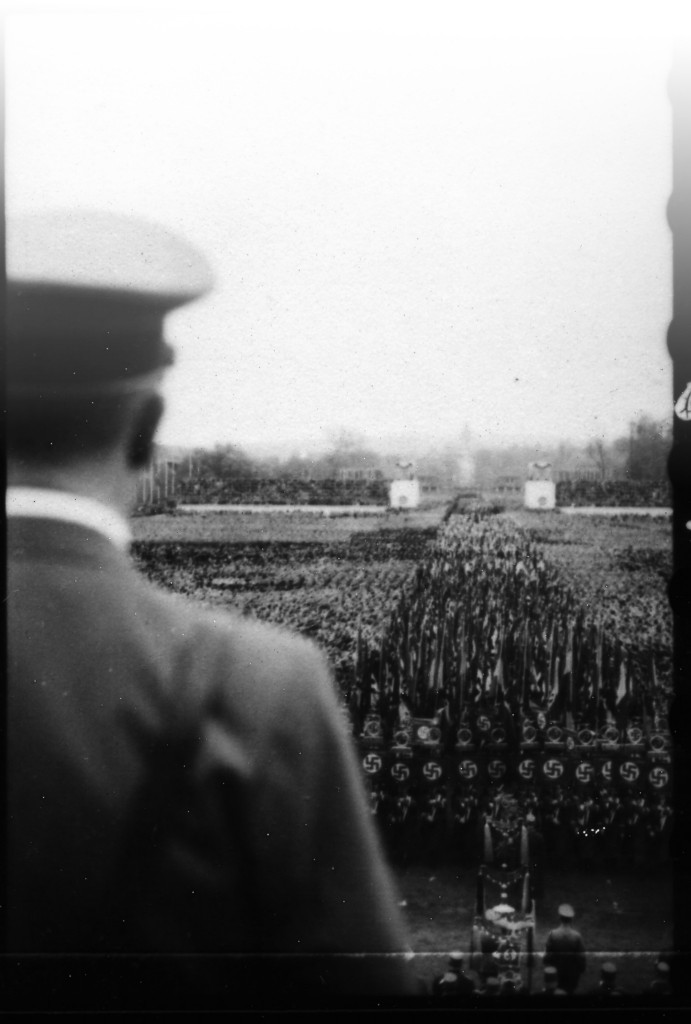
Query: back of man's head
[49, 432]
[86, 299]
[608, 975]
[566, 914]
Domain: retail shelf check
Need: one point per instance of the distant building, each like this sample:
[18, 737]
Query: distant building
[507, 484]
[159, 482]
[579, 473]
[429, 484]
[360, 474]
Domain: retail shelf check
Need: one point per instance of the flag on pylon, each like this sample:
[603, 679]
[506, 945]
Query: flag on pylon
[622, 688]
[553, 687]
[622, 705]
[358, 654]
[550, 648]
[462, 667]
[568, 672]
[598, 664]
[383, 667]
[404, 715]
[525, 671]
[405, 643]
[497, 684]
[419, 673]
[436, 676]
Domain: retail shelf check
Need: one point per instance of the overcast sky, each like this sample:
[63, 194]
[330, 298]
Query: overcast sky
[420, 215]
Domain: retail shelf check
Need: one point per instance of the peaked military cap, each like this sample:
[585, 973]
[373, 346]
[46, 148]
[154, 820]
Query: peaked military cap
[566, 910]
[87, 293]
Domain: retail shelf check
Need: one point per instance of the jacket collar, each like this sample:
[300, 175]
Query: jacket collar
[44, 503]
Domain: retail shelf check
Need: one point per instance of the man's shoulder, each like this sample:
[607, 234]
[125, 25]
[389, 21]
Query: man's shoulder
[263, 660]
[270, 688]
[198, 622]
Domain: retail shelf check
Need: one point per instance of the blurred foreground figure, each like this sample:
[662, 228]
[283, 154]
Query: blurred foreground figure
[180, 782]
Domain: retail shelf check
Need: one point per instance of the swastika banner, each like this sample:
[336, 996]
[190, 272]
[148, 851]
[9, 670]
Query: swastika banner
[495, 769]
[606, 770]
[429, 769]
[553, 770]
[527, 769]
[399, 769]
[469, 771]
[372, 763]
[658, 777]
[630, 771]
[584, 772]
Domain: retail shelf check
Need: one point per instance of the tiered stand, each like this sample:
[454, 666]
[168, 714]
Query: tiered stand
[502, 937]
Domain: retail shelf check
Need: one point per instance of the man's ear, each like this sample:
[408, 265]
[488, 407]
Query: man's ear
[145, 423]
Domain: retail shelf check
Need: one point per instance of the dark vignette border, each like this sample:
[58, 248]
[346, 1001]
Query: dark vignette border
[679, 468]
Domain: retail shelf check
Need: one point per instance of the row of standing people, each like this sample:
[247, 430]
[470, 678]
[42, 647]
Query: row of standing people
[587, 828]
[563, 966]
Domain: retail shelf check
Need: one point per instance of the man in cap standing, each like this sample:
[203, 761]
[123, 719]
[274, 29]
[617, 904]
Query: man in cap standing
[661, 984]
[550, 989]
[180, 782]
[491, 988]
[564, 949]
[607, 985]
[484, 961]
[454, 981]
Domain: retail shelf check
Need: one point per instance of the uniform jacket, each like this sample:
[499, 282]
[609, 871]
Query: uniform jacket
[453, 983]
[180, 781]
[564, 950]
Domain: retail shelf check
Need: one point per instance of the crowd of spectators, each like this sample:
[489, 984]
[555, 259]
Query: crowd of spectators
[258, 490]
[282, 491]
[483, 981]
[614, 493]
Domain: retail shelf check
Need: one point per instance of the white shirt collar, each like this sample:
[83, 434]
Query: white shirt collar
[44, 503]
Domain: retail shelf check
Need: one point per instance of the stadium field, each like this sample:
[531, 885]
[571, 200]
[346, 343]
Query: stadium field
[337, 580]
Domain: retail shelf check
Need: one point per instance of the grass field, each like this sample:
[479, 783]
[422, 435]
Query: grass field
[322, 576]
[271, 527]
